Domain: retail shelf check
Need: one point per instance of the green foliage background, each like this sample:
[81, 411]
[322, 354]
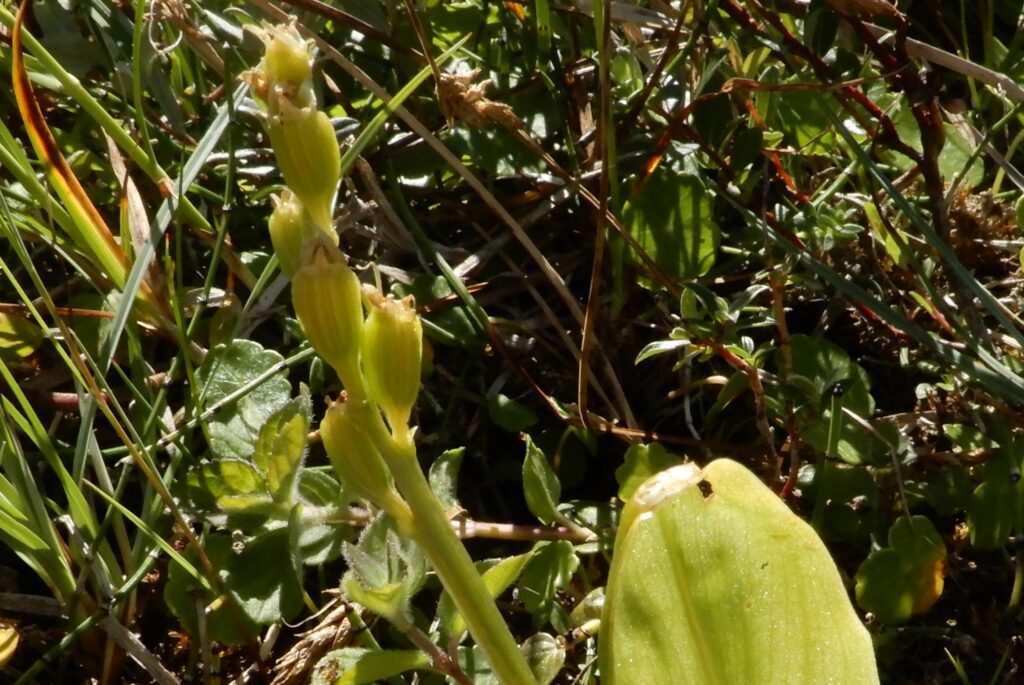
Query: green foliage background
[742, 197]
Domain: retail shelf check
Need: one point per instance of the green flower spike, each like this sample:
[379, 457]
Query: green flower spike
[392, 355]
[327, 301]
[302, 137]
[358, 463]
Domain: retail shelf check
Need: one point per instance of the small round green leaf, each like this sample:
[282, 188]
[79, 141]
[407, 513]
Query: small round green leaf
[906, 578]
[545, 654]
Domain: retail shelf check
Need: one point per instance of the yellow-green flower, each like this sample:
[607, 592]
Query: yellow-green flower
[285, 74]
[303, 138]
[392, 355]
[326, 297]
[290, 228]
[309, 157]
[358, 462]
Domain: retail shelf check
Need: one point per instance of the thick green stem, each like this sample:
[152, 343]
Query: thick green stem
[433, 532]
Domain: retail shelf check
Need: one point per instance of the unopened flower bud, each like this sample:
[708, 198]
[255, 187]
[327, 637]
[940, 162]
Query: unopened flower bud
[309, 157]
[358, 462]
[284, 75]
[290, 228]
[392, 355]
[326, 297]
[287, 59]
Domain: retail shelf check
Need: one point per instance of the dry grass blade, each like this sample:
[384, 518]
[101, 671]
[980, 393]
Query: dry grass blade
[93, 233]
[334, 630]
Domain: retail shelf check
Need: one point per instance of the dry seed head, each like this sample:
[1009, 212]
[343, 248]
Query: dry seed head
[392, 355]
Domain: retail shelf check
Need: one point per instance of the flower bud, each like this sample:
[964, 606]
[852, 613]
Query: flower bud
[358, 462]
[309, 157]
[290, 228]
[287, 60]
[325, 294]
[392, 354]
[285, 74]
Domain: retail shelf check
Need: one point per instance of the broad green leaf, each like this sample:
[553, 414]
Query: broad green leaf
[185, 596]
[321, 543]
[19, 337]
[389, 600]
[257, 504]
[444, 476]
[320, 488]
[955, 155]
[599, 518]
[895, 250]
[714, 580]
[948, 491]
[491, 150]
[474, 664]
[280, 447]
[642, 462]
[671, 219]
[229, 486]
[953, 158]
[385, 570]
[540, 485]
[968, 438]
[262, 577]
[738, 383]
[993, 512]
[627, 75]
[845, 500]
[357, 666]
[511, 415]
[296, 526]
[803, 120]
[906, 578]
[227, 477]
[233, 430]
[497, 579]
[660, 347]
[834, 385]
[549, 569]
[820, 29]
[383, 556]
